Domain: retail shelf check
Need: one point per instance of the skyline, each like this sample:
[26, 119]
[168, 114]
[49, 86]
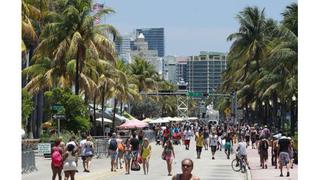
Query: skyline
[186, 34]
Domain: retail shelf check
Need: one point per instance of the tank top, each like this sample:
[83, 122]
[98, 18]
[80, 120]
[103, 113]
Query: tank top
[146, 151]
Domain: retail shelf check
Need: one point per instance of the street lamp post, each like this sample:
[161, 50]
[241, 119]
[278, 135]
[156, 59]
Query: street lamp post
[264, 112]
[271, 114]
[279, 114]
[293, 115]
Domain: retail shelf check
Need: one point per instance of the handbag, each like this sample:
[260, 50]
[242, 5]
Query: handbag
[135, 166]
[163, 156]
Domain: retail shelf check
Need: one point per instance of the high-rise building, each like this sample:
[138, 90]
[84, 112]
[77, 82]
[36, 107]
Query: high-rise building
[123, 48]
[204, 71]
[144, 52]
[169, 69]
[155, 39]
[181, 68]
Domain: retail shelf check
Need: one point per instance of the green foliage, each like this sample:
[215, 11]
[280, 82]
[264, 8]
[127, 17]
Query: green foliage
[147, 107]
[27, 105]
[76, 113]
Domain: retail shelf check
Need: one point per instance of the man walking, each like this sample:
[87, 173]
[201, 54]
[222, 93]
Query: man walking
[284, 159]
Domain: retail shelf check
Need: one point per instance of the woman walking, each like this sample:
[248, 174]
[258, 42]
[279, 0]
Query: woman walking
[69, 159]
[199, 142]
[127, 156]
[168, 154]
[146, 153]
[56, 160]
[263, 151]
[88, 152]
[228, 146]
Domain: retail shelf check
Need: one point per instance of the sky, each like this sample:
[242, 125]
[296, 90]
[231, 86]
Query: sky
[190, 26]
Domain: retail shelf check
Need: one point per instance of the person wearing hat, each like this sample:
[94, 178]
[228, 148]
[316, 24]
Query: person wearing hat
[284, 159]
[275, 150]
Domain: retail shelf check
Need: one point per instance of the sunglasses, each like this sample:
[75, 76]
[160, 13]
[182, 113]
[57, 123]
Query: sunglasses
[186, 165]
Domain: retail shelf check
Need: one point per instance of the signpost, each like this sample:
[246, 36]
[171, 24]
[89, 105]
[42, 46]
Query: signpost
[59, 113]
[44, 148]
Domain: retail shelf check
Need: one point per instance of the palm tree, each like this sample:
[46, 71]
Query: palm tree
[251, 42]
[73, 38]
[290, 18]
[144, 74]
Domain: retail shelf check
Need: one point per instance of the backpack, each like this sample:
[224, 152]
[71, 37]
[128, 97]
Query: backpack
[121, 147]
[113, 145]
[56, 158]
[88, 151]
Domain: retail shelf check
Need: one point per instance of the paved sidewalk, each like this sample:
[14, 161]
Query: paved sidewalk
[257, 173]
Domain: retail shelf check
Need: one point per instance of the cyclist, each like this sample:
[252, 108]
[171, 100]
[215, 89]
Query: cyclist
[242, 151]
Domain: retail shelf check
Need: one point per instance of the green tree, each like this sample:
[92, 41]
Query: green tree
[27, 106]
[76, 112]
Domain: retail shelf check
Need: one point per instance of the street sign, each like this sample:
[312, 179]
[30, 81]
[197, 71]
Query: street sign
[44, 148]
[58, 116]
[227, 111]
[58, 108]
[194, 94]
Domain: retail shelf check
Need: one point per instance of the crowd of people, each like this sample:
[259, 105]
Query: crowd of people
[64, 157]
[136, 149]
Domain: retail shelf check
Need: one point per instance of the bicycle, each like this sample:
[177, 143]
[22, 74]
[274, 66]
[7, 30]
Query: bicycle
[239, 164]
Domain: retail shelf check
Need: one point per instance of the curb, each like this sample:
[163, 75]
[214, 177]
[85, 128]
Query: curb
[248, 174]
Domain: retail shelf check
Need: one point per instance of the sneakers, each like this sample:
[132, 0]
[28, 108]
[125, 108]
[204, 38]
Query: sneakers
[281, 175]
[212, 157]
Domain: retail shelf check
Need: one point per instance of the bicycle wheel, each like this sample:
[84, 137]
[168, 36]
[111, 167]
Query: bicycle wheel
[235, 165]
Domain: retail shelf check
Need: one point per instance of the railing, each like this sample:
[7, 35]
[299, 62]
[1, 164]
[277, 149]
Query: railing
[28, 162]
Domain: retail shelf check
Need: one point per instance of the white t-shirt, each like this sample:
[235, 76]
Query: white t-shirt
[187, 134]
[242, 148]
[82, 145]
[213, 140]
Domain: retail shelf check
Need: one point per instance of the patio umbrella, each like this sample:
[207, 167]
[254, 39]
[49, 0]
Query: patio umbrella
[146, 120]
[104, 119]
[133, 124]
[177, 119]
[160, 120]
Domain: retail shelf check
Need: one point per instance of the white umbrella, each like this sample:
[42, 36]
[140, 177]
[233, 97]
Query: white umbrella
[104, 119]
[176, 119]
[160, 120]
[147, 120]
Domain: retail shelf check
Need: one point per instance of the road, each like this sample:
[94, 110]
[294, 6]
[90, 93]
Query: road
[205, 168]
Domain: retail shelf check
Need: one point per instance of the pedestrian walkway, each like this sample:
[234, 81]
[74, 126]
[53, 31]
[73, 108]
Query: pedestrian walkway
[257, 173]
[205, 168]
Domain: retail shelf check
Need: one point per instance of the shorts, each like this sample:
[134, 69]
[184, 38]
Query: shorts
[213, 149]
[113, 154]
[284, 158]
[186, 142]
[120, 154]
[264, 154]
[135, 154]
[83, 157]
[198, 148]
[127, 156]
[227, 146]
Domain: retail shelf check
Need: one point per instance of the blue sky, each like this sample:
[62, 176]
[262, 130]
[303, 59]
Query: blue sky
[190, 26]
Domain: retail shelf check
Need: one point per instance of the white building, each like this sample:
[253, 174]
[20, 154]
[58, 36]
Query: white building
[143, 51]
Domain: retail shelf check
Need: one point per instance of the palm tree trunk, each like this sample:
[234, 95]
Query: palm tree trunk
[121, 107]
[114, 114]
[77, 74]
[94, 115]
[102, 108]
[80, 55]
